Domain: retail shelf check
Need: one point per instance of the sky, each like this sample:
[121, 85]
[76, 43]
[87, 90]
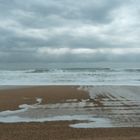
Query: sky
[69, 30]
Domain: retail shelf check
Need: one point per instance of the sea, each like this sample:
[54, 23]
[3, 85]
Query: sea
[70, 73]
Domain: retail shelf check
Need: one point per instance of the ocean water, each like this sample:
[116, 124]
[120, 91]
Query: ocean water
[70, 73]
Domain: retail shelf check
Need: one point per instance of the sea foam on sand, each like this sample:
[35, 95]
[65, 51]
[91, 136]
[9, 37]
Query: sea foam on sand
[18, 115]
[108, 106]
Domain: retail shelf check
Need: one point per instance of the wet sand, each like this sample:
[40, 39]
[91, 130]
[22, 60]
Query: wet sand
[10, 99]
[61, 131]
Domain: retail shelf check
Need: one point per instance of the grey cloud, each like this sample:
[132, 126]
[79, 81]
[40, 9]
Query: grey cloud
[28, 25]
[67, 11]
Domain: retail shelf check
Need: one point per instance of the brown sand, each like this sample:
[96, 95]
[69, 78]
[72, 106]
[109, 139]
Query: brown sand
[10, 99]
[61, 131]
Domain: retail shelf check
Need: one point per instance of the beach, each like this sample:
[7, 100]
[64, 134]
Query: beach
[12, 98]
[61, 131]
[70, 112]
[69, 70]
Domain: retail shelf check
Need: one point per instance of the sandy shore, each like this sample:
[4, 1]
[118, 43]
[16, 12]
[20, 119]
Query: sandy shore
[61, 131]
[104, 102]
[10, 99]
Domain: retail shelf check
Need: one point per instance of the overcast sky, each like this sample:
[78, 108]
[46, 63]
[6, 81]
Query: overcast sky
[69, 30]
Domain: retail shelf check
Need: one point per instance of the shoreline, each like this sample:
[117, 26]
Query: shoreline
[61, 131]
[119, 104]
[11, 98]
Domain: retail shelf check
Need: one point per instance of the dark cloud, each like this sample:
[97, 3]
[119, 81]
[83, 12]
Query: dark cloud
[26, 26]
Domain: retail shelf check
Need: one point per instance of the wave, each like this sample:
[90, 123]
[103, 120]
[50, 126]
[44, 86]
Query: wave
[70, 70]
[45, 70]
[37, 71]
[70, 76]
[132, 70]
[88, 69]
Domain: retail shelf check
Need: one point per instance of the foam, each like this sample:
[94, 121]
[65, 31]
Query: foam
[71, 76]
[118, 107]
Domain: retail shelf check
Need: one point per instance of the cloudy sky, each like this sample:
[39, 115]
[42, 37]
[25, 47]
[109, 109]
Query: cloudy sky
[69, 30]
